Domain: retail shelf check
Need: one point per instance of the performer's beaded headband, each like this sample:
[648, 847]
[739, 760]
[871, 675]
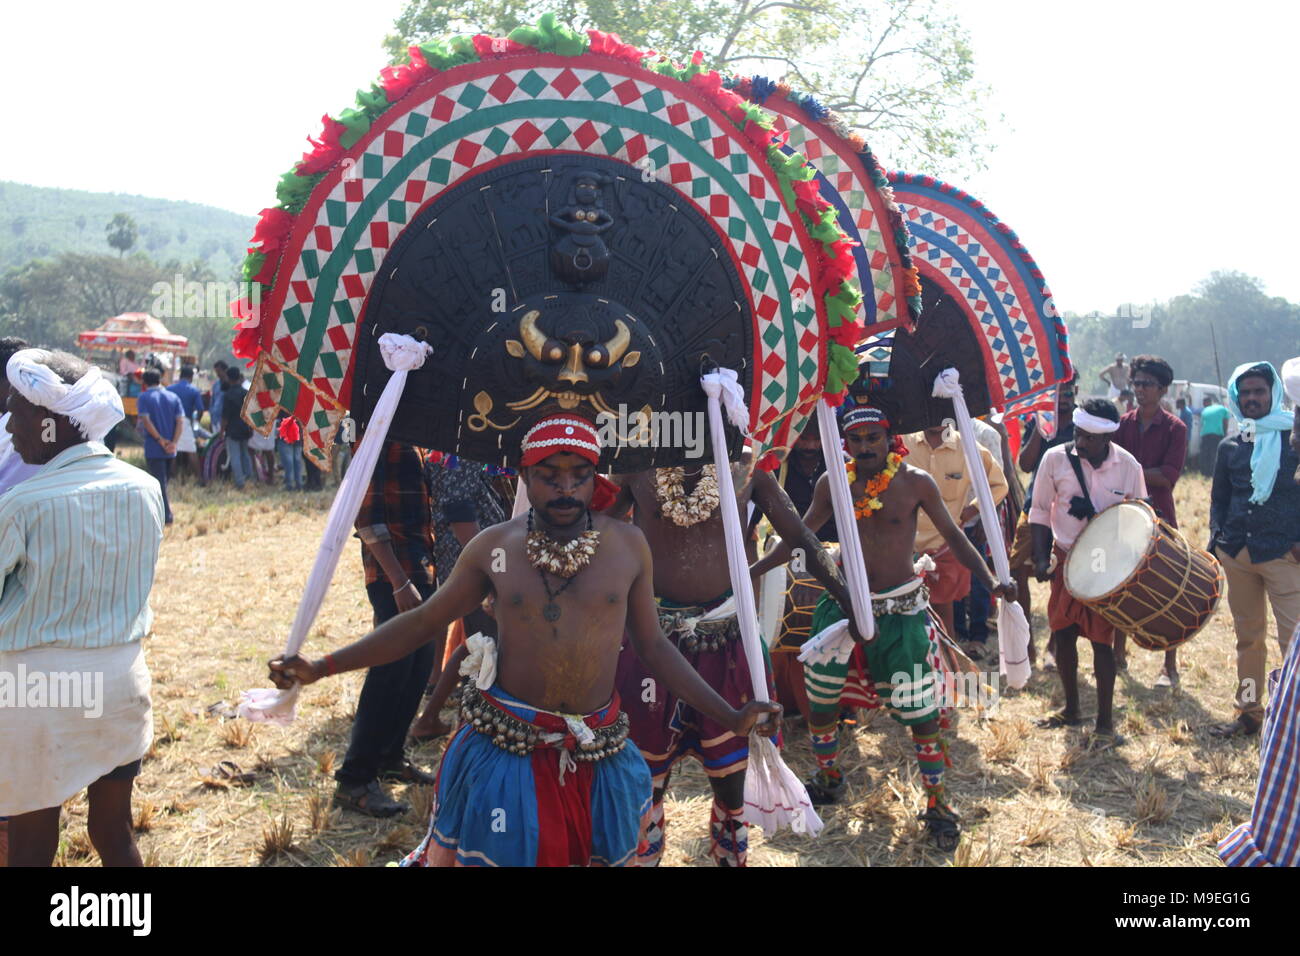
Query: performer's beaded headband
[573, 224]
[986, 311]
[859, 416]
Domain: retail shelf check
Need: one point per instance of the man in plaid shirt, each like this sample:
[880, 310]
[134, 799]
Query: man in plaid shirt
[395, 527]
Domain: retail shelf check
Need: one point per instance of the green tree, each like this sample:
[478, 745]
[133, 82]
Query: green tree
[900, 71]
[121, 232]
[1229, 314]
[48, 301]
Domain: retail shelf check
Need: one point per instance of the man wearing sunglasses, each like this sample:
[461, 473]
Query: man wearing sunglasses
[1158, 440]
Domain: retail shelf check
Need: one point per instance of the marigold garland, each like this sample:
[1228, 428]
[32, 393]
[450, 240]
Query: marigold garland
[870, 502]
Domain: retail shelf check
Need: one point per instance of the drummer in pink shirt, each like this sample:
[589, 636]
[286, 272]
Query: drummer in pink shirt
[1060, 510]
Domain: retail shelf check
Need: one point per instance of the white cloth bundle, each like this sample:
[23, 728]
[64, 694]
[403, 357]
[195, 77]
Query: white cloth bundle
[92, 404]
[1089, 422]
[855, 566]
[1013, 629]
[774, 796]
[401, 354]
[480, 664]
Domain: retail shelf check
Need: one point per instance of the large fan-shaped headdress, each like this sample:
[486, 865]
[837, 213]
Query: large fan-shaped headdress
[571, 223]
[986, 311]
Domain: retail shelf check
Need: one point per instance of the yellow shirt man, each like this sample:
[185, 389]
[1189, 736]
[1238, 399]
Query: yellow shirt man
[938, 451]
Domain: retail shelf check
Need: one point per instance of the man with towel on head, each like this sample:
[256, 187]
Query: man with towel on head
[1076, 482]
[1272, 835]
[1255, 531]
[78, 547]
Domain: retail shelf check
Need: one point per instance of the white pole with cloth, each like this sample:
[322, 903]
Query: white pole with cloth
[1013, 629]
[774, 796]
[401, 354]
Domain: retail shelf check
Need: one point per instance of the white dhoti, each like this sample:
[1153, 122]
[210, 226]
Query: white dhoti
[69, 716]
[186, 442]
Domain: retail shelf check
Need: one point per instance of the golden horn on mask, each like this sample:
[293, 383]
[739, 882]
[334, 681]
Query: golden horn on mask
[534, 338]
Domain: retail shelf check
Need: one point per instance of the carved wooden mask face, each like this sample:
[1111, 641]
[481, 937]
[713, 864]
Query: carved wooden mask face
[574, 358]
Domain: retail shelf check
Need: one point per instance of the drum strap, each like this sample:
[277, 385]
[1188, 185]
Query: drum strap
[1081, 506]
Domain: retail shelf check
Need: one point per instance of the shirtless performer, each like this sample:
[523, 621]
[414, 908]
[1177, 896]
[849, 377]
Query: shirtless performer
[887, 494]
[679, 515]
[539, 773]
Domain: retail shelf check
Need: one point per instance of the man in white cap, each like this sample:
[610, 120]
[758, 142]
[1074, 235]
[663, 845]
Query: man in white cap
[1255, 532]
[1074, 483]
[78, 547]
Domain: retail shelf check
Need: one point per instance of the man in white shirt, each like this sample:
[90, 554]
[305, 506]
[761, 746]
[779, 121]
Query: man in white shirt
[1061, 509]
[78, 548]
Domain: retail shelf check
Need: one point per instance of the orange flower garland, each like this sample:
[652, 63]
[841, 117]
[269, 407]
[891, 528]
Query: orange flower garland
[870, 501]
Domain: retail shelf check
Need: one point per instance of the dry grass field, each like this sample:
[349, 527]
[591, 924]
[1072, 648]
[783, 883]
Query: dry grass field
[232, 569]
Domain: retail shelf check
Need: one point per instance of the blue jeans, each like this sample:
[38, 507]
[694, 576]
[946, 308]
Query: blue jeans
[971, 613]
[241, 466]
[291, 462]
[161, 469]
[390, 698]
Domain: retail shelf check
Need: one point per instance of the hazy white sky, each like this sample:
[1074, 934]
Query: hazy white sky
[1145, 143]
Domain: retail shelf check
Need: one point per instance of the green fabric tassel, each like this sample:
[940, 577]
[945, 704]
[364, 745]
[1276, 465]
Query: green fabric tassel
[445, 54]
[253, 265]
[841, 367]
[373, 102]
[293, 190]
[357, 123]
[551, 36]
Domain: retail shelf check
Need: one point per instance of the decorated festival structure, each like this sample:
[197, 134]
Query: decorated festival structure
[508, 227]
[986, 311]
[570, 222]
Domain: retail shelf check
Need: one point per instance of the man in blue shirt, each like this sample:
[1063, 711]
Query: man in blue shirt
[192, 402]
[1186, 417]
[162, 416]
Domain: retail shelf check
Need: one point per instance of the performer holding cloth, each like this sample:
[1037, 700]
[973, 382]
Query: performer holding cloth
[540, 772]
[1075, 482]
[888, 498]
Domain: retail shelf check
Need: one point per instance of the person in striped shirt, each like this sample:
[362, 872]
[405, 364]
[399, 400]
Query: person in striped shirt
[78, 548]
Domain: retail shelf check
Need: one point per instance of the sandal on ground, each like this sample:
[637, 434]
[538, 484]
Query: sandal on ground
[369, 799]
[823, 789]
[229, 770]
[1243, 726]
[943, 826]
[1058, 720]
[1104, 740]
[407, 772]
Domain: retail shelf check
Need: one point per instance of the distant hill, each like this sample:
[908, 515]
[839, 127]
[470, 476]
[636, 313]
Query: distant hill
[36, 221]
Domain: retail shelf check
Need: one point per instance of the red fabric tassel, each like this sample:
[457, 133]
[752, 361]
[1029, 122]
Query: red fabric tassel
[605, 495]
[486, 46]
[289, 430]
[325, 151]
[760, 136]
[398, 80]
[272, 228]
[808, 196]
[769, 462]
[248, 333]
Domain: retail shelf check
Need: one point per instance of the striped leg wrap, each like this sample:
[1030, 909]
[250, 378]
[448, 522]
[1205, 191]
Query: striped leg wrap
[728, 836]
[931, 755]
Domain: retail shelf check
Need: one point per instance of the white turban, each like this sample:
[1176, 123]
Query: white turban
[1094, 423]
[92, 404]
[1291, 379]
